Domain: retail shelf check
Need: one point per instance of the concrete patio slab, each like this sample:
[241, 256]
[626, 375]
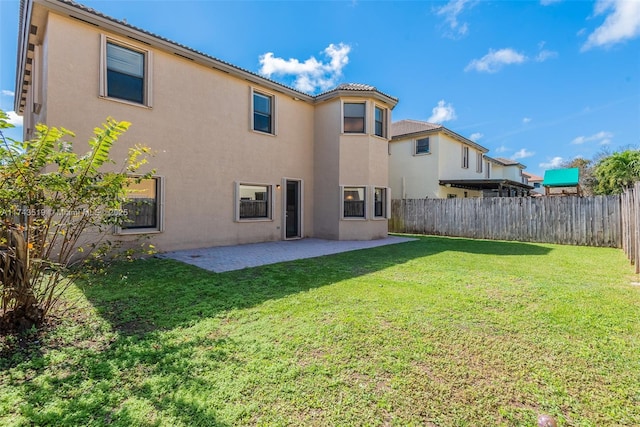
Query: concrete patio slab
[228, 258]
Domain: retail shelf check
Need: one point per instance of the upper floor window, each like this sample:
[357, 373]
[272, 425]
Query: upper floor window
[380, 122]
[354, 114]
[479, 162]
[465, 157]
[263, 112]
[422, 146]
[125, 73]
[487, 173]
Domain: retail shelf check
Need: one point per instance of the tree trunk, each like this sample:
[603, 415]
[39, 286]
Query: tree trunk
[19, 309]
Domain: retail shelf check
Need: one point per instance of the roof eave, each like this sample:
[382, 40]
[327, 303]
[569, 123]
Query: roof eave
[498, 162]
[350, 93]
[443, 129]
[26, 7]
[415, 134]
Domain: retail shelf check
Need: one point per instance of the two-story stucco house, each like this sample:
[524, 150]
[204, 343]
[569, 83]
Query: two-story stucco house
[239, 158]
[428, 160]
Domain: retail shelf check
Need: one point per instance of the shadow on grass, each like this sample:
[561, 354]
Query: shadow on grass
[140, 297]
[140, 300]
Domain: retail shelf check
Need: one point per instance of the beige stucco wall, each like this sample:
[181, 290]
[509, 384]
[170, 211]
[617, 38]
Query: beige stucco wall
[199, 129]
[358, 160]
[327, 170]
[364, 163]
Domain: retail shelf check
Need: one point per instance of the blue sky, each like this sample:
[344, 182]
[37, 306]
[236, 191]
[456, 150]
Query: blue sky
[536, 81]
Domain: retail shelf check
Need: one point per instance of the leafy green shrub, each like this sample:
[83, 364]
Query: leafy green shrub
[50, 198]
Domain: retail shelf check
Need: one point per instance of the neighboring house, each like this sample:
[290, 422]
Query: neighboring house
[239, 158]
[535, 181]
[428, 160]
[506, 178]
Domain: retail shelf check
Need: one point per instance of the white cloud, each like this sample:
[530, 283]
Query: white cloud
[495, 60]
[8, 92]
[544, 54]
[526, 120]
[14, 119]
[622, 23]
[502, 149]
[476, 136]
[554, 163]
[523, 153]
[451, 11]
[442, 112]
[603, 138]
[312, 74]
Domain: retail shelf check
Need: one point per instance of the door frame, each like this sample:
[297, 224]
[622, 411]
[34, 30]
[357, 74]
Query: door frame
[300, 209]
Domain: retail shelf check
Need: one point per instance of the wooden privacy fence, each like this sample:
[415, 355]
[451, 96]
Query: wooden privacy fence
[590, 221]
[630, 201]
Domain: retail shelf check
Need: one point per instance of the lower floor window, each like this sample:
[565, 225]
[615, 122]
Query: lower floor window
[380, 202]
[354, 202]
[254, 201]
[141, 207]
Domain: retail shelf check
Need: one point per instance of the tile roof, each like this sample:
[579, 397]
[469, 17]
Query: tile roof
[355, 87]
[504, 162]
[406, 127]
[531, 177]
[507, 162]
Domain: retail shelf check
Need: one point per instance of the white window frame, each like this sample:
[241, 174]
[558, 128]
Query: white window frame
[385, 127]
[487, 173]
[365, 191]
[415, 146]
[270, 200]
[364, 117]
[159, 228]
[465, 157]
[148, 74]
[386, 202]
[274, 111]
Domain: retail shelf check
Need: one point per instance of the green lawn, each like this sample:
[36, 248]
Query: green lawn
[437, 332]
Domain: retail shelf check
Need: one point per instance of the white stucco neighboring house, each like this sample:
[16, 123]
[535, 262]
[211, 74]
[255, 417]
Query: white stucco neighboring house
[428, 160]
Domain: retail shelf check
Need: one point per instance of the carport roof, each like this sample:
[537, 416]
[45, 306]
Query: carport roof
[561, 177]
